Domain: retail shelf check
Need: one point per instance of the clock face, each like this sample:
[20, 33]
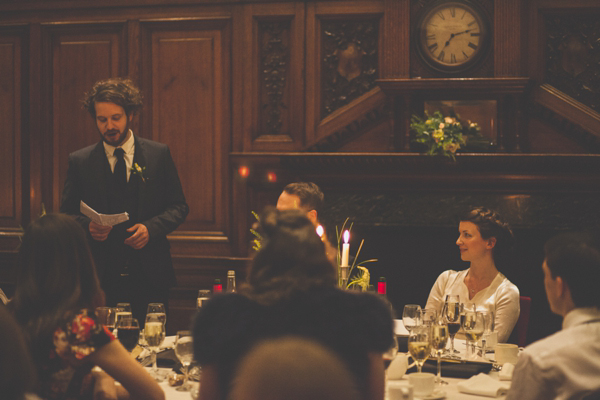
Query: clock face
[452, 36]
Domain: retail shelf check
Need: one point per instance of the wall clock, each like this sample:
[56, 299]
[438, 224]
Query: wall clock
[452, 36]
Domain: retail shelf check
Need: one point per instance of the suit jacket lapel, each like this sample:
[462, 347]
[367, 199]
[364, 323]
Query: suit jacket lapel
[140, 158]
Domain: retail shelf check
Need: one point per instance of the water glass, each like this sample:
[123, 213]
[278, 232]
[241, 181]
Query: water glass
[411, 316]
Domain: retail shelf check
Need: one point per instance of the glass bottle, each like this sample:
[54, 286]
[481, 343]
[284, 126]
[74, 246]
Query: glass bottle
[217, 286]
[230, 281]
[382, 286]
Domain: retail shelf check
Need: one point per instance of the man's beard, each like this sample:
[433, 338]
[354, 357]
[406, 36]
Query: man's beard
[122, 135]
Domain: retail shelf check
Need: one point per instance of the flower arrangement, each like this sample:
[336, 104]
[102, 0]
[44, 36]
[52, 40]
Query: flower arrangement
[362, 276]
[444, 135]
[139, 171]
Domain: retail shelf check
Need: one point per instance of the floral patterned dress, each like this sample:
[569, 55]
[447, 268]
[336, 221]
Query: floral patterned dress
[65, 374]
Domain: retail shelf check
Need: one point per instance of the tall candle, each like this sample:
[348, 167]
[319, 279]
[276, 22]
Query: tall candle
[345, 249]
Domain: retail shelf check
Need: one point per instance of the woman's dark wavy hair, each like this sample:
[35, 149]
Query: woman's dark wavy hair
[291, 258]
[491, 224]
[56, 278]
[120, 91]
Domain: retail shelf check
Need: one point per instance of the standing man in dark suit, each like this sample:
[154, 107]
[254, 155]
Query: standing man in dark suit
[126, 173]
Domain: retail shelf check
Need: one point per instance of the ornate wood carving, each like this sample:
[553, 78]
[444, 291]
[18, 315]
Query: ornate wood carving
[350, 61]
[573, 57]
[274, 58]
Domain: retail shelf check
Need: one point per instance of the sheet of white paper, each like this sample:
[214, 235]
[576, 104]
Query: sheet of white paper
[102, 219]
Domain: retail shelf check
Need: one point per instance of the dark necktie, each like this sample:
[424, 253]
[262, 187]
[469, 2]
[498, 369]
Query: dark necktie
[120, 173]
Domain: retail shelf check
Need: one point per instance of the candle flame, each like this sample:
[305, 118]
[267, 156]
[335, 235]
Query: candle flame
[346, 236]
[320, 230]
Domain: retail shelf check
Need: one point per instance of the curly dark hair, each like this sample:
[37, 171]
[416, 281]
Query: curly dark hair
[120, 91]
[292, 258]
[491, 224]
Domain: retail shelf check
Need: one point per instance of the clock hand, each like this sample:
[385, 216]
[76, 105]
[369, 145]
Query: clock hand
[452, 35]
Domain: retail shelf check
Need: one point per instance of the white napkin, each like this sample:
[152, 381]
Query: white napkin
[483, 385]
[506, 372]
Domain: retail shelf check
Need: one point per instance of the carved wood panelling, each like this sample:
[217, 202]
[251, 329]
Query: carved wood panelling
[572, 62]
[273, 76]
[11, 63]
[508, 37]
[343, 58]
[77, 56]
[185, 73]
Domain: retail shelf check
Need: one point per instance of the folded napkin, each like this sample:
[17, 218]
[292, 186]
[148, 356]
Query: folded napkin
[456, 369]
[506, 372]
[483, 385]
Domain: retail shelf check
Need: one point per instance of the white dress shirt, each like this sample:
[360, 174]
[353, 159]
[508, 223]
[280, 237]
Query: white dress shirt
[565, 365]
[128, 146]
[501, 297]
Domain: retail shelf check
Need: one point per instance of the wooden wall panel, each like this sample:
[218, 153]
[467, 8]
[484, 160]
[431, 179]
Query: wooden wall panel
[186, 69]
[11, 47]
[273, 76]
[80, 55]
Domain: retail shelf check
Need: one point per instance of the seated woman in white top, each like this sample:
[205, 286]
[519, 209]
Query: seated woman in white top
[484, 239]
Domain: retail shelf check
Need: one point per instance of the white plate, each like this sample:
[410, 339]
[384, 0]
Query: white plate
[437, 394]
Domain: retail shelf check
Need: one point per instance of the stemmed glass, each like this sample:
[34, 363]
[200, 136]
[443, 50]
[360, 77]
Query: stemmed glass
[154, 334]
[106, 316]
[157, 310]
[185, 353]
[129, 332]
[419, 344]
[473, 326]
[429, 316]
[452, 311]
[439, 338]
[488, 317]
[411, 316]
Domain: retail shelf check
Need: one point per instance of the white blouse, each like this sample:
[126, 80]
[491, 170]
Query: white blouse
[501, 297]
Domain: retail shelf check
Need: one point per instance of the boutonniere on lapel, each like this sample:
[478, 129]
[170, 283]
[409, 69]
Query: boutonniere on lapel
[139, 171]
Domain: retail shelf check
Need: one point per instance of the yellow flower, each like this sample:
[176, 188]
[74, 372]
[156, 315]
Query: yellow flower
[428, 122]
[448, 120]
[438, 134]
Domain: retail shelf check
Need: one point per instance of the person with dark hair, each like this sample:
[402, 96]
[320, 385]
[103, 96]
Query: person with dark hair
[306, 196]
[56, 294]
[17, 373]
[484, 241]
[566, 365]
[292, 368]
[291, 289]
[126, 173]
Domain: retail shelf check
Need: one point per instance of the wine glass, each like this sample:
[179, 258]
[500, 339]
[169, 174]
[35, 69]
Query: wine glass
[185, 352]
[439, 338]
[473, 326]
[411, 316]
[106, 316]
[157, 310]
[429, 316]
[129, 332]
[488, 317]
[452, 311]
[419, 344]
[154, 335]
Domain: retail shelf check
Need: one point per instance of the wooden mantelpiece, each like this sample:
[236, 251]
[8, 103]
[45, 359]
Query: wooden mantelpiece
[510, 94]
[494, 172]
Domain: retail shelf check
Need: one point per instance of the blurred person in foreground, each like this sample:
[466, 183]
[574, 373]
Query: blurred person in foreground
[292, 368]
[56, 294]
[17, 373]
[124, 172]
[566, 365]
[484, 240]
[291, 289]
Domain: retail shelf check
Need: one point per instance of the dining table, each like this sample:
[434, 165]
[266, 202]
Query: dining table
[450, 391]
